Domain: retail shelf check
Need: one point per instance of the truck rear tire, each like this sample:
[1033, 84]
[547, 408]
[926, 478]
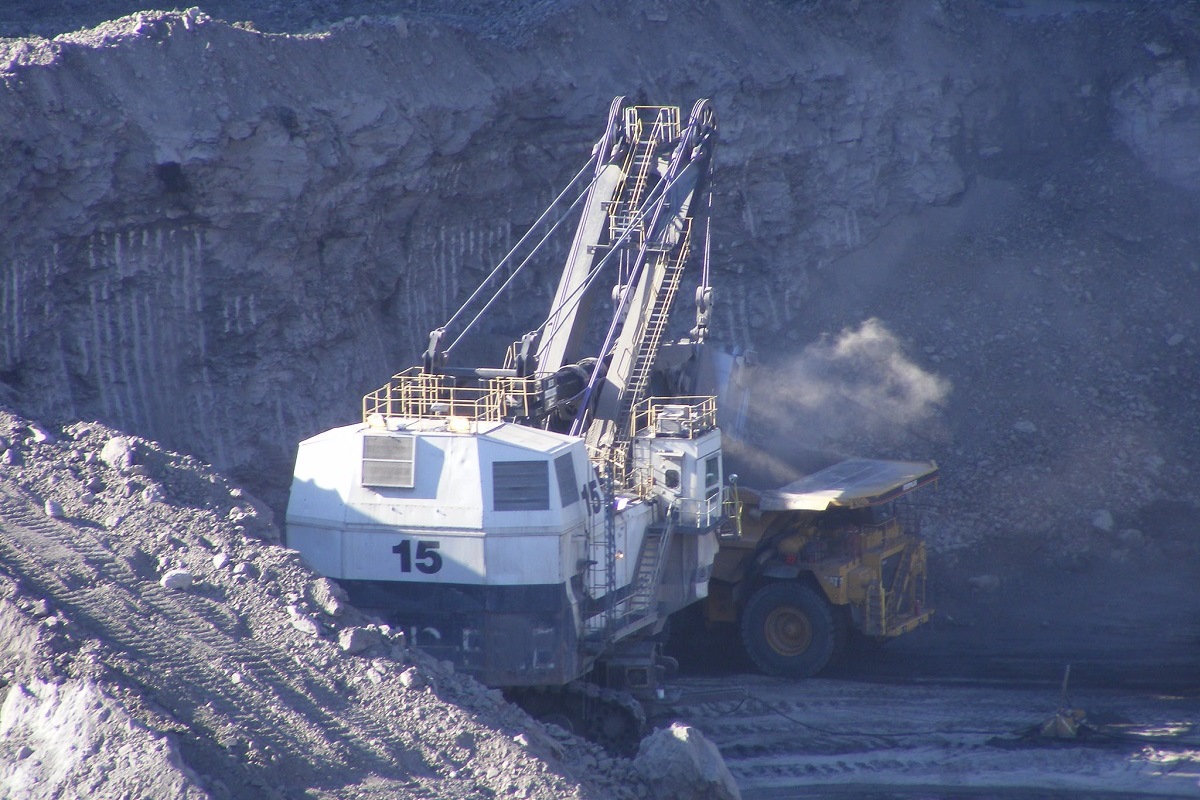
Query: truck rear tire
[788, 630]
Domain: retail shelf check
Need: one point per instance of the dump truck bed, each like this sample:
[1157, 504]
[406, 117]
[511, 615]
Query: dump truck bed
[853, 483]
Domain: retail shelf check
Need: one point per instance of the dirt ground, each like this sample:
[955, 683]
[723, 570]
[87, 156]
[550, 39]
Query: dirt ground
[933, 739]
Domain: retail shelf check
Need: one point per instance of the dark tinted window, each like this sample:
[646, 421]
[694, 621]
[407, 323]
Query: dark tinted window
[568, 487]
[520, 485]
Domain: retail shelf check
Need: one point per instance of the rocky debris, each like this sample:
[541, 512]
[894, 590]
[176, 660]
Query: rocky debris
[303, 622]
[329, 597]
[985, 583]
[413, 678]
[1158, 115]
[355, 640]
[1132, 537]
[153, 493]
[38, 435]
[679, 762]
[72, 740]
[118, 453]
[1103, 520]
[177, 579]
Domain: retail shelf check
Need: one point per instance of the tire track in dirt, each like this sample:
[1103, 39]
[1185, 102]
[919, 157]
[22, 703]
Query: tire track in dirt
[788, 738]
[141, 623]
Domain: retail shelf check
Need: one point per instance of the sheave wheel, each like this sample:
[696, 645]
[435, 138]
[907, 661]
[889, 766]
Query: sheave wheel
[788, 630]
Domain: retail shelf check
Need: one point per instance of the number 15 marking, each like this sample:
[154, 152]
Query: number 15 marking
[428, 559]
[591, 497]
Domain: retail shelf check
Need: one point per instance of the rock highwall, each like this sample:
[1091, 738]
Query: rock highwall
[220, 238]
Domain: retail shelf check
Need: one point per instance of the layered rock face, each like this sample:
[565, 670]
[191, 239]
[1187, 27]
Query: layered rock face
[220, 238]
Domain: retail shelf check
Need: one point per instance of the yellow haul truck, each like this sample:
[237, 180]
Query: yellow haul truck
[834, 552]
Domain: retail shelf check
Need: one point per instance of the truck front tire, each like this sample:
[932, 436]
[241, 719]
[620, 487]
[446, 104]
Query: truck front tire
[788, 630]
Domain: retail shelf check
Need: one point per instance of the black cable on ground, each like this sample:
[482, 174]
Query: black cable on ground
[876, 735]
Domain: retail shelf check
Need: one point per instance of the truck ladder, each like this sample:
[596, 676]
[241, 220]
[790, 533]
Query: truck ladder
[885, 612]
[905, 586]
[641, 608]
[875, 618]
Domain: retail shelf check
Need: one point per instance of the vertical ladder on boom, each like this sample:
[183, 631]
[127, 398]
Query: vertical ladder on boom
[656, 323]
[647, 129]
[662, 253]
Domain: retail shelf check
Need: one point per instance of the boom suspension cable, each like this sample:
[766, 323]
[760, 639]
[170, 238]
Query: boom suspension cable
[576, 294]
[496, 270]
[508, 281]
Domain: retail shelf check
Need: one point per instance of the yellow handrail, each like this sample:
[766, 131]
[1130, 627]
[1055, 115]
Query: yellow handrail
[418, 395]
[685, 417]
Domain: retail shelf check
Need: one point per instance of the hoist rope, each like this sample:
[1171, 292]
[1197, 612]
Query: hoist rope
[495, 270]
[508, 281]
[618, 313]
[577, 294]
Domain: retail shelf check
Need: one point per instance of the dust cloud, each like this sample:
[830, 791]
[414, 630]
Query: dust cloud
[859, 381]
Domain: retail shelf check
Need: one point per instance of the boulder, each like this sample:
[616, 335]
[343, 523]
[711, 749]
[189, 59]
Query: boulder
[303, 622]
[153, 494]
[355, 640]
[118, 452]
[680, 762]
[178, 579]
[985, 583]
[329, 596]
[1103, 520]
[413, 678]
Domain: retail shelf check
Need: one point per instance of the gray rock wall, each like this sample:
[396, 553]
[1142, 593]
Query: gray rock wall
[221, 238]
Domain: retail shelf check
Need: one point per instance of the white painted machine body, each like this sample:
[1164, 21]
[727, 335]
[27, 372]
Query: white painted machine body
[347, 528]
[531, 521]
[509, 515]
